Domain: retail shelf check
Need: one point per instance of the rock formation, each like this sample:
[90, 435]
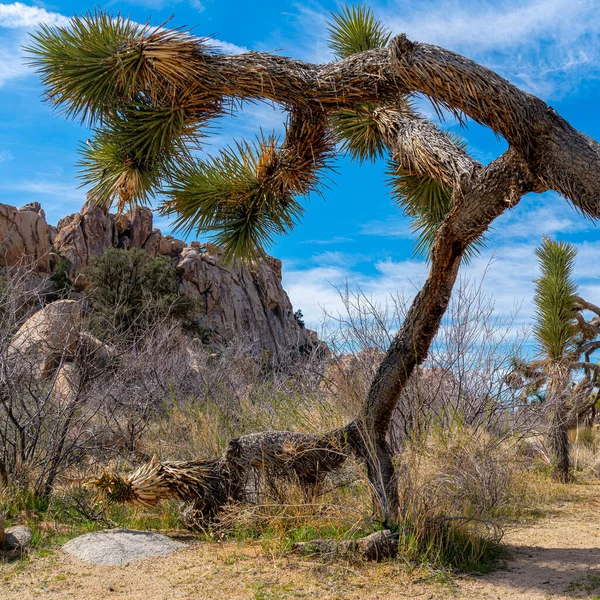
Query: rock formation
[239, 300]
[24, 236]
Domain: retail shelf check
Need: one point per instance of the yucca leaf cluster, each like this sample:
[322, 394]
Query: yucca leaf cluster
[555, 292]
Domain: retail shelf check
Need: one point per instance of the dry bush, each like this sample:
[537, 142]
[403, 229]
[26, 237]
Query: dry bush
[585, 451]
[457, 470]
[458, 428]
[464, 375]
[44, 417]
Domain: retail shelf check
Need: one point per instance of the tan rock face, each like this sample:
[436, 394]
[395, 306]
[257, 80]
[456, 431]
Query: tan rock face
[47, 337]
[24, 237]
[236, 300]
[65, 384]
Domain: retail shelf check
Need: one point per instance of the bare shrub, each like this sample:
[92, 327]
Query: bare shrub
[464, 375]
[44, 416]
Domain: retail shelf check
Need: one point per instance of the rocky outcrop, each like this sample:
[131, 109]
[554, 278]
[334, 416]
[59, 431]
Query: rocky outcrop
[237, 300]
[24, 237]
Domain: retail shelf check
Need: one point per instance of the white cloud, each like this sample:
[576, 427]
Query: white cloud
[16, 19]
[18, 15]
[228, 47]
[57, 197]
[12, 62]
[508, 265]
[5, 156]
[329, 241]
[543, 45]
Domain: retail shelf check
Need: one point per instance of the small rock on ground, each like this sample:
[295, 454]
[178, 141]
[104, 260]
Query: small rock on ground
[120, 546]
[17, 538]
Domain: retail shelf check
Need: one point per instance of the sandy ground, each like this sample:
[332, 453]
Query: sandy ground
[557, 556]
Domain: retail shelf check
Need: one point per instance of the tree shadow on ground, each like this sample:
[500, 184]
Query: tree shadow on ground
[570, 572]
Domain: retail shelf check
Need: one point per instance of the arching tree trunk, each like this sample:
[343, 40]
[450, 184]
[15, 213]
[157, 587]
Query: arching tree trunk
[488, 192]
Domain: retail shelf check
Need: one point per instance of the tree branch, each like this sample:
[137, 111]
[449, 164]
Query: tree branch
[418, 146]
[487, 195]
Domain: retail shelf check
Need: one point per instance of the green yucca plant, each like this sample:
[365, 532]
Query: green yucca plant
[355, 29]
[226, 195]
[554, 300]
[424, 199]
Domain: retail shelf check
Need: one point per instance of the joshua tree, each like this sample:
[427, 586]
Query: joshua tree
[149, 93]
[565, 342]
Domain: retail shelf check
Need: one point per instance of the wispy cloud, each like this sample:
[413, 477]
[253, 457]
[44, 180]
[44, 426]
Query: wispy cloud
[57, 197]
[17, 19]
[330, 241]
[543, 45]
[5, 156]
[21, 16]
[392, 228]
[508, 265]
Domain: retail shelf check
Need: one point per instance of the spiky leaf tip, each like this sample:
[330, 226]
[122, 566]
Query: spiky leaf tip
[355, 29]
[427, 203]
[358, 133]
[233, 197]
[91, 66]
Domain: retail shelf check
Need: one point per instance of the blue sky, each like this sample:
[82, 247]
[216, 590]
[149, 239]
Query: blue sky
[548, 47]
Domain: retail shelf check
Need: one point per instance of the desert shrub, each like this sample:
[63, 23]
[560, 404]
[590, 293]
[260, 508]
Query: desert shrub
[62, 285]
[130, 290]
[585, 451]
[464, 375]
[459, 471]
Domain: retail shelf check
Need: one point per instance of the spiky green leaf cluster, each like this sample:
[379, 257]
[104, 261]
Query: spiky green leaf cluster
[96, 63]
[131, 156]
[355, 29]
[229, 197]
[358, 133]
[427, 202]
[554, 300]
[131, 83]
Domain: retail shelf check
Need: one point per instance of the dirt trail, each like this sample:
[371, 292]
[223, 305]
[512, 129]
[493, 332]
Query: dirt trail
[556, 557]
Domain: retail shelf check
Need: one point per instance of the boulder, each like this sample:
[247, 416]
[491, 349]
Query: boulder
[48, 337]
[152, 244]
[24, 237]
[376, 547]
[169, 246]
[66, 383]
[94, 348]
[140, 228]
[17, 538]
[120, 546]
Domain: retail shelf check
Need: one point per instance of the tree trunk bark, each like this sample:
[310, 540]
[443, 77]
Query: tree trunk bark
[559, 441]
[488, 193]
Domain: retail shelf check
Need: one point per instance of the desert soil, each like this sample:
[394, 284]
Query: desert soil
[556, 556]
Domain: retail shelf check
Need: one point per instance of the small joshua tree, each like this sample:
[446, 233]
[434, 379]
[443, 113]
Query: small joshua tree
[149, 92]
[565, 342]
